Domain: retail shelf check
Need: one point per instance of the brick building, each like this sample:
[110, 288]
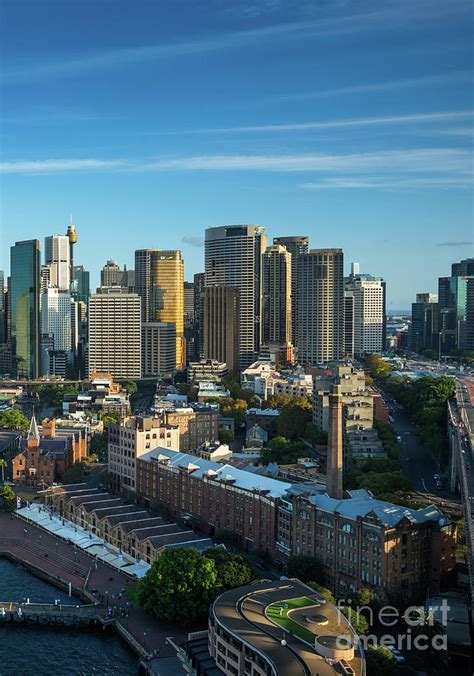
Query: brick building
[220, 497]
[130, 439]
[45, 455]
[197, 424]
[401, 554]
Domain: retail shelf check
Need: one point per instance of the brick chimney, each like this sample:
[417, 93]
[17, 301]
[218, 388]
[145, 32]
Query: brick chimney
[334, 455]
[49, 428]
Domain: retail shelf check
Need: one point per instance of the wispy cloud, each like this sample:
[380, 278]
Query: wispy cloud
[432, 160]
[443, 183]
[391, 17]
[416, 118]
[193, 240]
[367, 88]
[456, 242]
[415, 160]
[55, 166]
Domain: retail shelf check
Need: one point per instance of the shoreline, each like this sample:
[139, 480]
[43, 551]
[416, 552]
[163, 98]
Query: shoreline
[82, 594]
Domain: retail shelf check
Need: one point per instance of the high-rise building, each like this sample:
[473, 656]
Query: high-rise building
[321, 300]
[55, 326]
[469, 337]
[113, 275]
[368, 319]
[233, 257]
[56, 257]
[221, 325]
[114, 332]
[81, 284]
[348, 324]
[452, 302]
[24, 307]
[277, 300]
[158, 348]
[3, 336]
[199, 282]
[159, 281]
[188, 301]
[424, 329]
[296, 246]
[463, 268]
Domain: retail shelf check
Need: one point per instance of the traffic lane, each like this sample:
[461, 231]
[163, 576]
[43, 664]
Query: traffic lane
[416, 461]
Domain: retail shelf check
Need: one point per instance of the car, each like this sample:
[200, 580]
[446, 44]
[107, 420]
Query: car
[399, 438]
[399, 658]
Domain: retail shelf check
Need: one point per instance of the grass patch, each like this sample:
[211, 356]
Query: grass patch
[285, 622]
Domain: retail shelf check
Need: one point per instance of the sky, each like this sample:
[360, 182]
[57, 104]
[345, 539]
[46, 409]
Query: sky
[348, 121]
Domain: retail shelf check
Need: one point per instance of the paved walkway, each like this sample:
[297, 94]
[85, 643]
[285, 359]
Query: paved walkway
[63, 561]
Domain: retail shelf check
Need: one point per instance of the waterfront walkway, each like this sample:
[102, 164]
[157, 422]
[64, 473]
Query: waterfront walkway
[59, 561]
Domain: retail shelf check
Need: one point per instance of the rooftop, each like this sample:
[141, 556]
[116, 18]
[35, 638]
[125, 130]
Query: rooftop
[362, 502]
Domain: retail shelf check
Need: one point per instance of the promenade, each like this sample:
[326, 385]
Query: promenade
[59, 561]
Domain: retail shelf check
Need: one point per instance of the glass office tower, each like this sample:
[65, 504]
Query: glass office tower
[25, 304]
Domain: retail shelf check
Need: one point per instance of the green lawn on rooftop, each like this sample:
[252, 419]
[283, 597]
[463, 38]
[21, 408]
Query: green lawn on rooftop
[285, 622]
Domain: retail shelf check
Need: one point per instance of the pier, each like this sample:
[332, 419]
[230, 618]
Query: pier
[59, 614]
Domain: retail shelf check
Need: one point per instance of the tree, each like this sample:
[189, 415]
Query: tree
[74, 473]
[282, 451]
[377, 367]
[112, 418]
[234, 408]
[385, 482]
[14, 420]
[379, 661]
[304, 567]
[179, 586]
[357, 620]
[225, 437]
[365, 597]
[233, 570]
[7, 497]
[325, 593]
[315, 435]
[293, 419]
[130, 387]
[3, 464]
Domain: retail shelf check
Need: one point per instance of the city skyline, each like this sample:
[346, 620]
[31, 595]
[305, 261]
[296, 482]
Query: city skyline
[225, 108]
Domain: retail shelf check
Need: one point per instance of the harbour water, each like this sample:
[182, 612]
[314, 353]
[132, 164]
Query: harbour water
[32, 650]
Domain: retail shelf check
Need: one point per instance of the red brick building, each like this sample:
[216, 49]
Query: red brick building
[219, 497]
[44, 456]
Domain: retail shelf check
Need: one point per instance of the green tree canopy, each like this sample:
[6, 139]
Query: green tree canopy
[234, 408]
[377, 367]
[380, 661]
[233, 570]
[305, 568]
[326, 593]
[282, 451]
[179, 586]
[293, 419]
[14, 420]
[385, 482]
[74, 473]
[357, 620]
[7, 495]
[225, 437]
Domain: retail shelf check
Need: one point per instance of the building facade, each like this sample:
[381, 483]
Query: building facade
[221, 325]
[368, 318]
[24, 301]
[233, 257]
[158, 348]
[114, 333]
[296, 246]
[159, 281]
[277, 298]
[197, 424]
[129, 440]
[56, 258]
[321, 312]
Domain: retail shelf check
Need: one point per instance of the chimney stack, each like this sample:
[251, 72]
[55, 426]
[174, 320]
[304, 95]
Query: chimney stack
[334, 455]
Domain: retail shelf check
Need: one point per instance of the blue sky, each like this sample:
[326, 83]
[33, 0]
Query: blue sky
[149, 121]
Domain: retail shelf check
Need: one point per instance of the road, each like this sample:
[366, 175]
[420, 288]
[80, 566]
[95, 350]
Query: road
[416, 460]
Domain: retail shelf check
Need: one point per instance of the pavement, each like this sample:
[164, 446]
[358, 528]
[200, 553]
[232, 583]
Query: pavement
[63, 561]
[416, 460]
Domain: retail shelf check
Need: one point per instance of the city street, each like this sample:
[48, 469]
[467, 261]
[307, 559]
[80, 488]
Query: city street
[417, 463]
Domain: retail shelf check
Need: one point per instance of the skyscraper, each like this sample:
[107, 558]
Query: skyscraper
[2, 308]
[221, 325]
[452, 305]
[56, 257]
[114, 333]
[424, 323]
[199, 282]
[113, 275]
[233, 257]
[159, 281]
[24, 307]
[321, 312]
[81, 284]
[158, 348]
[55, 330]
[368, 317]
[277, 301]
[296, 246]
